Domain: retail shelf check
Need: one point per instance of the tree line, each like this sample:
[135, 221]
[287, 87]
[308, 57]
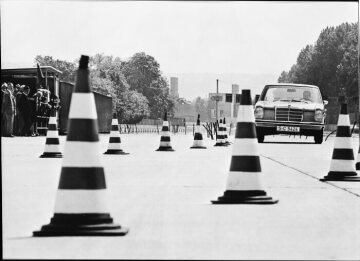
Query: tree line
[137, 86]
[331, 63]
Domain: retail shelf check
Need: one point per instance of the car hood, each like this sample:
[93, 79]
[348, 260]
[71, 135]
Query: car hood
[295, 105]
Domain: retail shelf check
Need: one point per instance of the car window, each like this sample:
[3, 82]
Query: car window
[292, 94]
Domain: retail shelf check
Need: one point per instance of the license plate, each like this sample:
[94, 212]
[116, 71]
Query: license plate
[288, 128]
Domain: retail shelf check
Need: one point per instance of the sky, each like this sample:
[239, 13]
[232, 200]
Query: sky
[184, 37]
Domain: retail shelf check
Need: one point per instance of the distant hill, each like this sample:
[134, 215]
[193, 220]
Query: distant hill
[192, 85]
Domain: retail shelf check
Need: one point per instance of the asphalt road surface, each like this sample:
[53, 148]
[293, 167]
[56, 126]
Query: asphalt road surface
[164, 199]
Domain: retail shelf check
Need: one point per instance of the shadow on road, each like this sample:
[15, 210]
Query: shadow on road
[290, 142]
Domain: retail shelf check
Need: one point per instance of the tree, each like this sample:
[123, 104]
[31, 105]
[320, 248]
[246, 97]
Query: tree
[330, 64]
[107, 78]
[68, 69]
[143, 74]
[201, 107]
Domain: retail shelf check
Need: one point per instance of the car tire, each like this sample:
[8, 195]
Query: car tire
[260, 137]
[319, 137]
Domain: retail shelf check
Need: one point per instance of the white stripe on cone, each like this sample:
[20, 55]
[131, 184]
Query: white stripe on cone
[52, 134]
[52, 148]
[342, 165]
[114, 133]
[343, 120]
[245, 147]
[52, 120]
[114, 146]
[343, 143]
[74, 155]
[358, 158]
[74, 201]
[166, 123]
[82, 106]
[197, 129]
[165, 144]
[198, 143]
[114, 122]
[245, 114]
[165, 134]
[241, 180]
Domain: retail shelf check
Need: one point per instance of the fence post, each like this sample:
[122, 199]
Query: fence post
[193, 129]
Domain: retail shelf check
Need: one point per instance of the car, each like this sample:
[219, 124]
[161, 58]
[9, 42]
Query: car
[288, 108]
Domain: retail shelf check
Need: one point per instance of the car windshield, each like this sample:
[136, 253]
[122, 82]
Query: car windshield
[292, 94]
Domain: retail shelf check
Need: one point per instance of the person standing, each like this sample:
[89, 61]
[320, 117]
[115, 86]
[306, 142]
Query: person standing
[8, 111]
[25, 112]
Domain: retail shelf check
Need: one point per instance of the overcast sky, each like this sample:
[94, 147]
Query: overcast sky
[213, 37]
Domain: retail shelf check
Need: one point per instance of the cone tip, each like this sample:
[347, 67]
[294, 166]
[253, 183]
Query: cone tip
[343, 109]
[245, 97]
[84, 62]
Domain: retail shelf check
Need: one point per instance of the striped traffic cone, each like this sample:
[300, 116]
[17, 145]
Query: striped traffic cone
[220, 136]
[165, 141]
[198, 138]
[80, 208]
[225, 133]
[243, 183]
[357, 165]
[52, 143]
[114, 139]
[342, 166]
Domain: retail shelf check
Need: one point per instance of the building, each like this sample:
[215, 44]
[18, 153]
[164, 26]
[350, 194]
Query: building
[174, 87]
[228, 104]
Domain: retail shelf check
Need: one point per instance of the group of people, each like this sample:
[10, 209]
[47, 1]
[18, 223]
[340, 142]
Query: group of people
[21, 112]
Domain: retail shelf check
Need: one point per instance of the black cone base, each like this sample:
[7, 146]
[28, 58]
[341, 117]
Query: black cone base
[341, 176]
[116, 152]
[51, 155]
[165, 149]
[245, 197]
[221, 144]
[197, 147]
[56, 230]
[349, 178]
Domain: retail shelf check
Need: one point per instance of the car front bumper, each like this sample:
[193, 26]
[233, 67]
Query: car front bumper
[268, 127]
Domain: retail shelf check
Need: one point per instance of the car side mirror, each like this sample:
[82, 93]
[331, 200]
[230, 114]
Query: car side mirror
[326, 102]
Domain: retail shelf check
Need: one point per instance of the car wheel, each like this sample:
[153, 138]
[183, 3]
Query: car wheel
[319, 137]
[260, 137]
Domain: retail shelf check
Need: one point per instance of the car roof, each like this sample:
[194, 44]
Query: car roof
[292, 84]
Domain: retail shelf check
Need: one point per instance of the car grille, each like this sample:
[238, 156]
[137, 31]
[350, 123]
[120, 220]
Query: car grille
[288, 114]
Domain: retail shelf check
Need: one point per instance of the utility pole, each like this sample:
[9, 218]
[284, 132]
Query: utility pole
[357, 163]
[216, 100]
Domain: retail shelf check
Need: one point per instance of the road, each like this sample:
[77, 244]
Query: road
[164, 199]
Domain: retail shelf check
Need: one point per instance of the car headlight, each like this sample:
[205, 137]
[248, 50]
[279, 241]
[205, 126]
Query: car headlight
[259, 112]
[319, 115]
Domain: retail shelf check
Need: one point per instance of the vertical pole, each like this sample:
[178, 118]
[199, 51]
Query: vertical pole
[217, 93]
[46, 83]
[357, 163]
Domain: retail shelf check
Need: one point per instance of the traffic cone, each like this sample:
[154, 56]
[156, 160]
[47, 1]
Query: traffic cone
[114, 139]
[243, 183]
[220, 136]
[342, 166]
[198, 138]
[80, 208]
[165, 141]
[225, 133]
[357, 166]
[52, 143]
